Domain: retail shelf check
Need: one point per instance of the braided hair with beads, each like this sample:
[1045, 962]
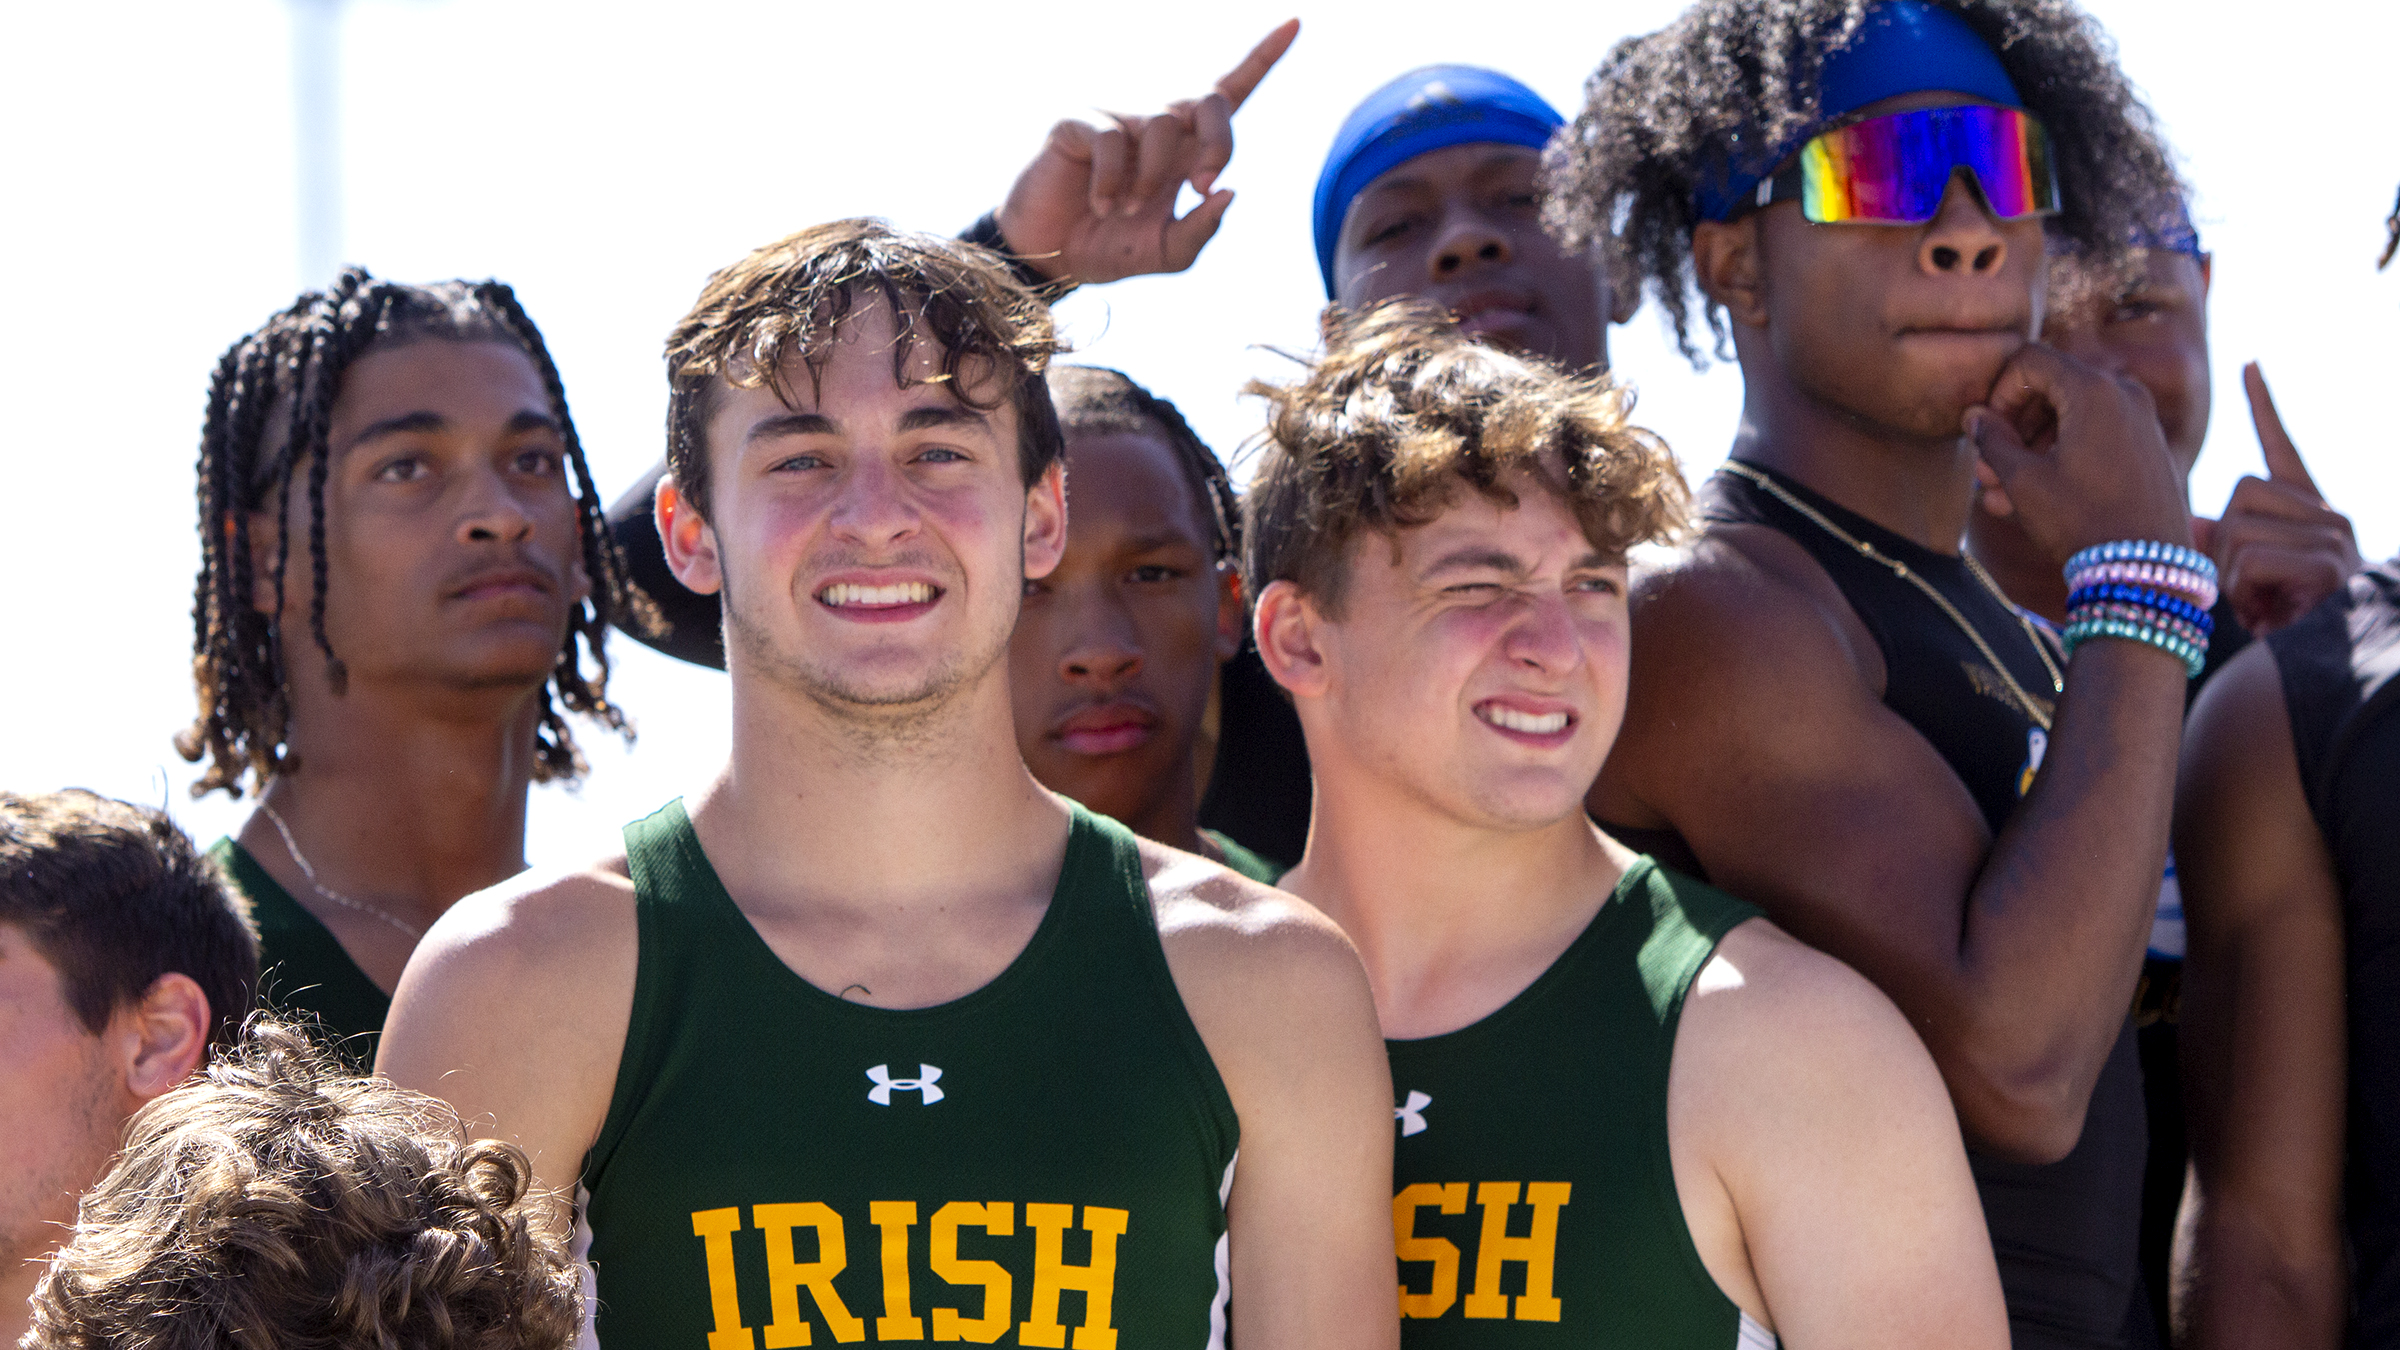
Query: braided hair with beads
[269, 409]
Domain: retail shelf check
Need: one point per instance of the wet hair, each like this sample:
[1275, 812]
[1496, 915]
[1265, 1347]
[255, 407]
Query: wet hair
[277, 1201]
[788, 300]
[1733, 81]
[270, 407]
[1098, 401]
[1402, 411]
[113, 896]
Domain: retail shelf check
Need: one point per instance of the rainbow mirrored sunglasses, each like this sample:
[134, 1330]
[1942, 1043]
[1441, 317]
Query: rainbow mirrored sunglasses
[1893, 170]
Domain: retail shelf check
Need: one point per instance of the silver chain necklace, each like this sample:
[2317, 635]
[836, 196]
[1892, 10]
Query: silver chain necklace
[414, 934]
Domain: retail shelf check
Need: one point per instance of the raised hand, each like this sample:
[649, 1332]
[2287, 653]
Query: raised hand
[2279, 548]
[1098, 202]
[2077, 455]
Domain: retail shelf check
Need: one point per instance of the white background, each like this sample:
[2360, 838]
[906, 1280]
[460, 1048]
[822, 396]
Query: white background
[604, 158]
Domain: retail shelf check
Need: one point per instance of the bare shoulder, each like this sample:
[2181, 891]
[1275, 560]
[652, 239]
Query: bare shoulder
[1768, 1008]
[1211, 914]
[1747, 589]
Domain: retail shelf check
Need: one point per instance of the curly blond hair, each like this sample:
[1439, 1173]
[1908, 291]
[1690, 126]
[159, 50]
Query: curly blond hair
[1402, 410]
[277, 1202]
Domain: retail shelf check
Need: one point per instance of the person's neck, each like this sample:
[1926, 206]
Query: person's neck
[820, 804]
[1918, 487]
[1172, 817]
[2028, 576]
[407, 803]
[1452, 919]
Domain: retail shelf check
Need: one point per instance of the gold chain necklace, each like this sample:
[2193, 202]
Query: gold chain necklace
[415, 934]
[2025, 701]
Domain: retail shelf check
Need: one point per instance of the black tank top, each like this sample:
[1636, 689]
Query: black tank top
[2066, 1235]
[2341, 685]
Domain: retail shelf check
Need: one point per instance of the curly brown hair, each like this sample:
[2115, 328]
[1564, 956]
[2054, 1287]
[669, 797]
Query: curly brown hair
[270, 407]
[1401, 410]
[788, 299]
[277, 1202]
[1734, 83]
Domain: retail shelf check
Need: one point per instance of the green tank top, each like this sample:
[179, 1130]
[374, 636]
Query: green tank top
[1245, 861]
[1042, 1162]
[304, 971]
[1535, 1203]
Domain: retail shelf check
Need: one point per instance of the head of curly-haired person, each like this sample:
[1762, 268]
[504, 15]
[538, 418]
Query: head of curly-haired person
[1681, 128]
[277, 1201]
[411, 447]
[123, 959]
[1436, 535]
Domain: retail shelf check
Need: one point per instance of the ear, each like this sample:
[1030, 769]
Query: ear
[1290, 636]
[1046, 521]
[2208, 273]
[689, 542]
[1621, 296]
[1232, 615]
[1726, 257]
[161, 1039]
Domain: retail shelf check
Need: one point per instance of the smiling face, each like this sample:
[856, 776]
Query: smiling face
[872, 535]
[1478, 663]
[1461, 226]
[1902, 327]
[453, 548]
[1116, 649]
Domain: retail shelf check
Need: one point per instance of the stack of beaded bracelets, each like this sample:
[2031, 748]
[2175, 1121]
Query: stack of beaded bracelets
[2145, 590]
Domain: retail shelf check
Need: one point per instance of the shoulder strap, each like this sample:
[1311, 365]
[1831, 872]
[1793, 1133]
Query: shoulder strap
[1687, 920]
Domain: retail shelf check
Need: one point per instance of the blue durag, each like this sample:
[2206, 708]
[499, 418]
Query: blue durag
[1904, 47]
[1425, 110]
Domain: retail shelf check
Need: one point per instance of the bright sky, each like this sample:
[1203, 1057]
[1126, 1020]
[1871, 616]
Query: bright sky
[603, 158]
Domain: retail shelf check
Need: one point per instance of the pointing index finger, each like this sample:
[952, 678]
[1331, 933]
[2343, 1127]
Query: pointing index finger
[1243, 79]
[2283, 458]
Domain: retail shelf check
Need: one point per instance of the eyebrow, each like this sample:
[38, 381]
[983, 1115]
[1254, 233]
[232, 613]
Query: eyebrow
[925, 419]
[1475, 557]
[427, 420]
[818, 424]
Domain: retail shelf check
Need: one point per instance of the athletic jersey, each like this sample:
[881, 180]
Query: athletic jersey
[1244, 861]
[2341, 686]
[1048, 1155]
[2067, 1234]
[1535, 1204]
[303, 969]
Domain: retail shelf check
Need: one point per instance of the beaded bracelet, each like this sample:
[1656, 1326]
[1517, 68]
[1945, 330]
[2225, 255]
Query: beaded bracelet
[2144, 550]
[2201, 590]
[2194, 657]
[2141, 595]
[2112, 609]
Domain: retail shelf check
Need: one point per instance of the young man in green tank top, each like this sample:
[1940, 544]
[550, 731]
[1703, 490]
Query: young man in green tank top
[879, 1037]
[404, 584]
[1630, 1111]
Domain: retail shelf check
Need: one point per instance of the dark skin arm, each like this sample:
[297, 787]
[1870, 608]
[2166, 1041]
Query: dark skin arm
[2263, 1037]
[1756, 729]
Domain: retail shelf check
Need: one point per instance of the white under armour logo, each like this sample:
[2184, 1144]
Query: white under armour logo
[1412, 1115]
[885, 1084]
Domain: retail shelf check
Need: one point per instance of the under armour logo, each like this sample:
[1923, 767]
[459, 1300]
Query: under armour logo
[1412, 1115]
[1436, 92]
[885, 1084]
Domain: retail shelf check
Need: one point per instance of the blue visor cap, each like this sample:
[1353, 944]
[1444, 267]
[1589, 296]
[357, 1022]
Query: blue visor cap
[1425, 110]
[1903, 47]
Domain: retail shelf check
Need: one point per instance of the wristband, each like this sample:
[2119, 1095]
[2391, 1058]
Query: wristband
[986, 232]
[2198, 589]
[2144, 550]
[2142, 595]
[2195, 657]
[2129, 613]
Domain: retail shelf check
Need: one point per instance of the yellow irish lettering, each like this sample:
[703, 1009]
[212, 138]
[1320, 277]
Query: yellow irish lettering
[999, 1219]
[786, 1276]
[895, 1217]
[715, 1229]
[1537, 1250]
[1052, 1275]
[1442, 1290]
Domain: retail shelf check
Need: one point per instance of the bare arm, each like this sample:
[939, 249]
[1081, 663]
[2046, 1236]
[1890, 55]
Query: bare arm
[514, 1010]
[1818, 1159]
[1282, 1003]
[2263, 1039]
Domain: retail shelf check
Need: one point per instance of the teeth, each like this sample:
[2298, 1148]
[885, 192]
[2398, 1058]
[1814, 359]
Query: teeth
[1547, 724]
[901, 593]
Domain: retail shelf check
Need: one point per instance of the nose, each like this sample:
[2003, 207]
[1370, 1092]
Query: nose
[1544, 637]
[1104, 652]
[494, 515]
[1964, 240]
[1467, 241]
[874, 510]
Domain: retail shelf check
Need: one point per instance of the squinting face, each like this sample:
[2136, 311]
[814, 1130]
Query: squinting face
[61, 1108]
[1462, 227]
[1483, 667]
[1115, 650]
[872, 537]
[2156, 332]
[1903, 327]
[453, 546]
